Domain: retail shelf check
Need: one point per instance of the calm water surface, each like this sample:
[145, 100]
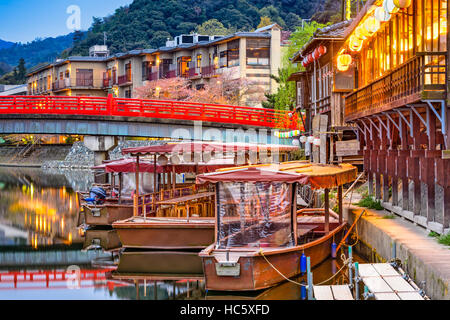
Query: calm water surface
[40, 245]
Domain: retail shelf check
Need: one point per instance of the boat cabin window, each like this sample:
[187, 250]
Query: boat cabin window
[129, 183]
[255, 214]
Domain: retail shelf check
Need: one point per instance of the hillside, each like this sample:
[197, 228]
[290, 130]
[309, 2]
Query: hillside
[148, 23]
[5, 44]
[37, 51]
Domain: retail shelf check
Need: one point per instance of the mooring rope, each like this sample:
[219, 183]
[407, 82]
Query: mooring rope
[344, 260]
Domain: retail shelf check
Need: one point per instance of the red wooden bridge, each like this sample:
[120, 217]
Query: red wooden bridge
[51, 279]
[143, 108]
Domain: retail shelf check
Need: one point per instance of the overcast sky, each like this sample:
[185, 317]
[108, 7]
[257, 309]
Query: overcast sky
[26, 20]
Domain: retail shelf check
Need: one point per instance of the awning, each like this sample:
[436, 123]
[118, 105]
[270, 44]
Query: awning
[317, 176]
[204, 147]
[129, 166]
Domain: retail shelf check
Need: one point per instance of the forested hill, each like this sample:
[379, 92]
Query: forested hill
[148, 23]
[37, 51]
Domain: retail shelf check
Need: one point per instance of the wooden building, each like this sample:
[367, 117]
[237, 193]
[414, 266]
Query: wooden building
[397, 52]
[321, 91]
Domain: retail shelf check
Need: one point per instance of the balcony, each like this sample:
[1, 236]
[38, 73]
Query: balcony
[193, 73]
[124, 80]
[209, 71]
[169, 74]
[61, 84]
[422, 77]
[108, 83]
[152, 76]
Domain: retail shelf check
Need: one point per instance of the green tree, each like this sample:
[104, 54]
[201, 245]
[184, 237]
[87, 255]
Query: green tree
[21, 71]
[213, 27]
[284, 98]
[265, 21]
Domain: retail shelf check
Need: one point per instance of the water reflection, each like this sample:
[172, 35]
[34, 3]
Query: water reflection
[39, 241]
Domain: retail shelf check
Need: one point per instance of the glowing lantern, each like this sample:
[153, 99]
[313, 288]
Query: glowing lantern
[343, 62]
[295, 142]
[361, 33]
[310, 58]
[389, 6]
[303, 139]
[355, 44]
[310, 139]
[402, 4]
[372, 25]
[381, 15]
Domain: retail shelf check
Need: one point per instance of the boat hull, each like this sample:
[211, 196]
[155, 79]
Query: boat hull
[256, 274]
[107, 239]
[107, 214]
[158, 264]
[166, 236]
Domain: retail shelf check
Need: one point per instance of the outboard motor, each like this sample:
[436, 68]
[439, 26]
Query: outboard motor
[97, 195]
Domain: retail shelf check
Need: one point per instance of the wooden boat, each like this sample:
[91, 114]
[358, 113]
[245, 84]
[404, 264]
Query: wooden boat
[166, 233]
[108, 240]
[260, 233]
[159, 265]
[180, 222]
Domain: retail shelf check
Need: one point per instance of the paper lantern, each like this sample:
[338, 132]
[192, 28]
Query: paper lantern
[322, 50]
[316, 142]
[163, 160]
[381, 15]
[372, 25]
[303, 139]
[361, 33]
[402, 4]
[187, 157]
[174, 159]
[207, 156]
[343, 62]
[310, 139]
[310, 58]
[389, 6]
[355, 44]
[316, 54]
[295, 142]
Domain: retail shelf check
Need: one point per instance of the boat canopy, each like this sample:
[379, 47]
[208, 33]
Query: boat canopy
[190, 147]
[129, 166]
[317, 176]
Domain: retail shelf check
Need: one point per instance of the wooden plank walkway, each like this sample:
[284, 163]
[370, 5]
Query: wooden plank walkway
[341, 292]
[386, 283]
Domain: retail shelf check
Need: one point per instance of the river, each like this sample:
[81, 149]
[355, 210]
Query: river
[42, 250]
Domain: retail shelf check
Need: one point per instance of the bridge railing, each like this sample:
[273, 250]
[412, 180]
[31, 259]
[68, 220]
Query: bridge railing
[124, 107]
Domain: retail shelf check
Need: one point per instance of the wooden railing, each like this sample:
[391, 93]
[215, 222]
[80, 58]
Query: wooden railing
[165, 109]
[209, 71]
[421, 77]
[124, 79]
[146, 203]
[321, 105]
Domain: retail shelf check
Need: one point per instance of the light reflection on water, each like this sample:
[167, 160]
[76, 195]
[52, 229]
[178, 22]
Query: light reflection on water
[39, 240]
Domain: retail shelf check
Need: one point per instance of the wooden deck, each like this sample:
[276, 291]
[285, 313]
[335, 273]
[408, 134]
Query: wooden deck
[386, 283]
[341, 292]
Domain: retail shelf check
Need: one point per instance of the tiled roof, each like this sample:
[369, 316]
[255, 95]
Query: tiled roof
[335, 31]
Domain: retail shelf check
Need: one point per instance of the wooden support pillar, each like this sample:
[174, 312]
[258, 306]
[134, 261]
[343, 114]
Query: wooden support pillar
[402, 166]
[154, 175]
[136, 194]
[120, 186]
[446, 218]
[174, 179]
[327, 211]
[340, 205]
[430, 180]
[417, 154]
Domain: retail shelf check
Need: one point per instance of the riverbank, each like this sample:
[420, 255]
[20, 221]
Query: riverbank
[383, 236]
